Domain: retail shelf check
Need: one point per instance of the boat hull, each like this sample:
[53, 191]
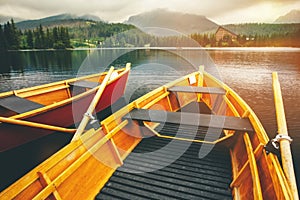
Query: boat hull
[66, 115]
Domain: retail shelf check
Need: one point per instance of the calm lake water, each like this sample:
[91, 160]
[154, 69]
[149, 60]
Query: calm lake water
[247, 71]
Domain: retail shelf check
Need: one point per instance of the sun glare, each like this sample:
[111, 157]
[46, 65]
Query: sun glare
[266, 12]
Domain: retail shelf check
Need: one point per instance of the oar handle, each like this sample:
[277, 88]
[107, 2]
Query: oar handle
[285, 149]
[92, 106]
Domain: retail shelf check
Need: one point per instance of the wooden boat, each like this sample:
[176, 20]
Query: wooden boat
[59, 104]
[156, 148]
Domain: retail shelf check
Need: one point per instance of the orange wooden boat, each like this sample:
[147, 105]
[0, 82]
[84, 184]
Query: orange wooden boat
[194, 138]
[25, 113]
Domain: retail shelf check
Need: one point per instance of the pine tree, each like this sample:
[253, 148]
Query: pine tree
[67, 39]
[37, 39]
[49, 39]
[42, 37]
[64, 37]
[12, 35]
[3, 42]
[55, 34]
[56, 38]
[29, 39]
[7, 34]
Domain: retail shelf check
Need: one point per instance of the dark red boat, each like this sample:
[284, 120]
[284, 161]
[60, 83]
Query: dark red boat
[59, 104]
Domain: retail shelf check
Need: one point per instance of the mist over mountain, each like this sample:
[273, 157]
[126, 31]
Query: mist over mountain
[291, 17]
[57, 20]
[4, 19]
[181, 22]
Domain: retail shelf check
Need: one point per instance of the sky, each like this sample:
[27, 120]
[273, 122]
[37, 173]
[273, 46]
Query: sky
[220, 11]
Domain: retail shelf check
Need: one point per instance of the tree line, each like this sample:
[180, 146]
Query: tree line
[137, 38]
[99, 30]
[101, 34]
[256, 40]
[12, 38]
[56, 38]
[95, 33]
[9, 36]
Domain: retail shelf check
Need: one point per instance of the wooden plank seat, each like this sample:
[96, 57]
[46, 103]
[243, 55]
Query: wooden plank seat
[18, 104]
[84, 84]
[195, 119]
[194, 89]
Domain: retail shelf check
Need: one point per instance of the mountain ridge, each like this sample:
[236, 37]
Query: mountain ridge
[291, 17]
[180, 22]
[163, 21]
[56, 20]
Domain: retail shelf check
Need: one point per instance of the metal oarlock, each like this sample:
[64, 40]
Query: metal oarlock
[89, 115]
[274, 144]
[280, 137]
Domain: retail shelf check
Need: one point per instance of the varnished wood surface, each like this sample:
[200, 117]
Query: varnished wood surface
[250, 173]
[195, 119]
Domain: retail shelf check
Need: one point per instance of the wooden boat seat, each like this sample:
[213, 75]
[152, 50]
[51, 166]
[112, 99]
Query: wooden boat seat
[18, 104]
[84, 84]
[194, 119]
[194, 89]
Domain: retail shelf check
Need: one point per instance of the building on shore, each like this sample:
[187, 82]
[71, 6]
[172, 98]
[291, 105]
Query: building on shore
[223, 33]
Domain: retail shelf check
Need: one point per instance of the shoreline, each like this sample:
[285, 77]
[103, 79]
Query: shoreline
[171, 48]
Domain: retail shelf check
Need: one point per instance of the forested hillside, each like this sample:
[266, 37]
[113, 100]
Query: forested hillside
[263, 29]
[93, 34]
[66, 20]
[12, 38]
[88, 34]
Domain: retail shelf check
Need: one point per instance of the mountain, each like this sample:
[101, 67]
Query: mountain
[57, 20]
[4, 19]
[181, 22]
[90, 17]
[291, 17]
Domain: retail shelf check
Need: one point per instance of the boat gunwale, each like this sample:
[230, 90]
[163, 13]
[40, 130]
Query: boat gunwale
[245, 106]
[66, 101]
[260, 132]
[45, 166]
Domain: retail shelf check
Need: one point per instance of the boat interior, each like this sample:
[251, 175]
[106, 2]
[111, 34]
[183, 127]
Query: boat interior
[166, 164]
[221, 140]
[29, 99]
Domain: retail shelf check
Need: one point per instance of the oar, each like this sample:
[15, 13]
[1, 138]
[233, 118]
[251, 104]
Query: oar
[92, 106]
[283, 138]
[35, 125]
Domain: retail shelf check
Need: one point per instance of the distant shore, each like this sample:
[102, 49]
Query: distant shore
[174, 48]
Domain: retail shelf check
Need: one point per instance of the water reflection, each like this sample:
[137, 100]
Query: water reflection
[38, 60]
[28, 68]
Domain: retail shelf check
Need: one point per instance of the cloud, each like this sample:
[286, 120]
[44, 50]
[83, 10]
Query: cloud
[120, 10]
[264, 12]
[32, 8]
